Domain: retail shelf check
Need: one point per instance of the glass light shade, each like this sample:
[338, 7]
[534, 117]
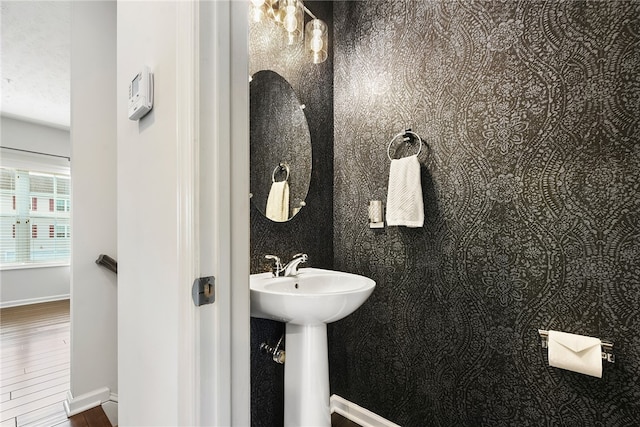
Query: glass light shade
[276, 10]
[293, 19]
[317, 40]
[257, 10]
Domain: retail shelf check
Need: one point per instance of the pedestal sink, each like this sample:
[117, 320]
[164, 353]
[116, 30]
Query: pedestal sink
[306, 303]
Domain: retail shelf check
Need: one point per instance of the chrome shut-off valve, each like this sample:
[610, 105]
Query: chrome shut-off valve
[277, 354]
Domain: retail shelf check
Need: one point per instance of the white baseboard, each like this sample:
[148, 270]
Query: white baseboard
[16, 303]
[358, 414]
[86, 401]
[111, 409]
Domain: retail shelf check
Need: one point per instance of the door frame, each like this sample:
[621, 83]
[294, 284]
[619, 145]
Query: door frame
[221, 123]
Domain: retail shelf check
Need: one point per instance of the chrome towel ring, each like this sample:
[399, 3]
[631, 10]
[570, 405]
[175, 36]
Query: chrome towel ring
[405, 136]
[282, 166]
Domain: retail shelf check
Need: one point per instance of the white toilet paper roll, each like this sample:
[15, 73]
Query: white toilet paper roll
[576, 353]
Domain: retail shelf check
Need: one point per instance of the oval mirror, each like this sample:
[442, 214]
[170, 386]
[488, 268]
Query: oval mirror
[280, 147]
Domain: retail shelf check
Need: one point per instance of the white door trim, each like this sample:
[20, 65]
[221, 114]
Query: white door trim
[187, 59]
[224, 212]
[240, 234]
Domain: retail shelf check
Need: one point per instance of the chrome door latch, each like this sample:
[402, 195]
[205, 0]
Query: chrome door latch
[203, 290]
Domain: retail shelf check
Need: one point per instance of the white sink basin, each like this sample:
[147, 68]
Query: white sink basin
[314, 296]
[307, 303]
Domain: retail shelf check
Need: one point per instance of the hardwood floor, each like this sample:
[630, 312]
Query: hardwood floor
[92, 418]
[338, 420]
[34, 364]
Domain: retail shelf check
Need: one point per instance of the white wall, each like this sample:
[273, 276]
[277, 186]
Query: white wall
[35, 137]
[94, 228]
[33, 285]
[150, 288]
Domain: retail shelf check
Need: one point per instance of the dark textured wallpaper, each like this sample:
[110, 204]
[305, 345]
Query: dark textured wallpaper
[531, 109]
[311, 230]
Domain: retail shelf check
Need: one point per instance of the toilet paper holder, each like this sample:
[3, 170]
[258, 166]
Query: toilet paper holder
[607, 346]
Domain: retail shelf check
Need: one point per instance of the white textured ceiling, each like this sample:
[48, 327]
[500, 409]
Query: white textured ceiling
[35, 61]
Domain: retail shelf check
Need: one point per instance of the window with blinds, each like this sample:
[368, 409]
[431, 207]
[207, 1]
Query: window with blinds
[34, 217]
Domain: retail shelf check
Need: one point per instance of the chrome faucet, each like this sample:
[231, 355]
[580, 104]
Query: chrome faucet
[291, 269]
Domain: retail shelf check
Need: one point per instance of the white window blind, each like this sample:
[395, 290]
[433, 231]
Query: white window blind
[34, 217]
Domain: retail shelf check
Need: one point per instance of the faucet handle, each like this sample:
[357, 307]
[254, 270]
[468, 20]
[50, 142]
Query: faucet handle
[277, 264]
[276, 259]
[304, 257]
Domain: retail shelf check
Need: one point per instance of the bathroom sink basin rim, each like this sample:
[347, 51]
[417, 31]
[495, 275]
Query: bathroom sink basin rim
[314, 296]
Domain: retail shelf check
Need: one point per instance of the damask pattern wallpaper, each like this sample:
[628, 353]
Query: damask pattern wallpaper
[531, 111]
[311, 230]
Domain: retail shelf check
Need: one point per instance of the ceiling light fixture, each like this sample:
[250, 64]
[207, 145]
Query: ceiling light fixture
[290, 14]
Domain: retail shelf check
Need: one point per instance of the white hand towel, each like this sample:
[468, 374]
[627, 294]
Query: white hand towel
[278, 202]
[576, 353]
[404, 196]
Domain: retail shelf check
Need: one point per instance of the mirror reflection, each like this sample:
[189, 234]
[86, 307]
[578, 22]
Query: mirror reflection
[280, 147]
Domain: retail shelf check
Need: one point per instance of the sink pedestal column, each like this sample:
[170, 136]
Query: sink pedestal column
[306, 376]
